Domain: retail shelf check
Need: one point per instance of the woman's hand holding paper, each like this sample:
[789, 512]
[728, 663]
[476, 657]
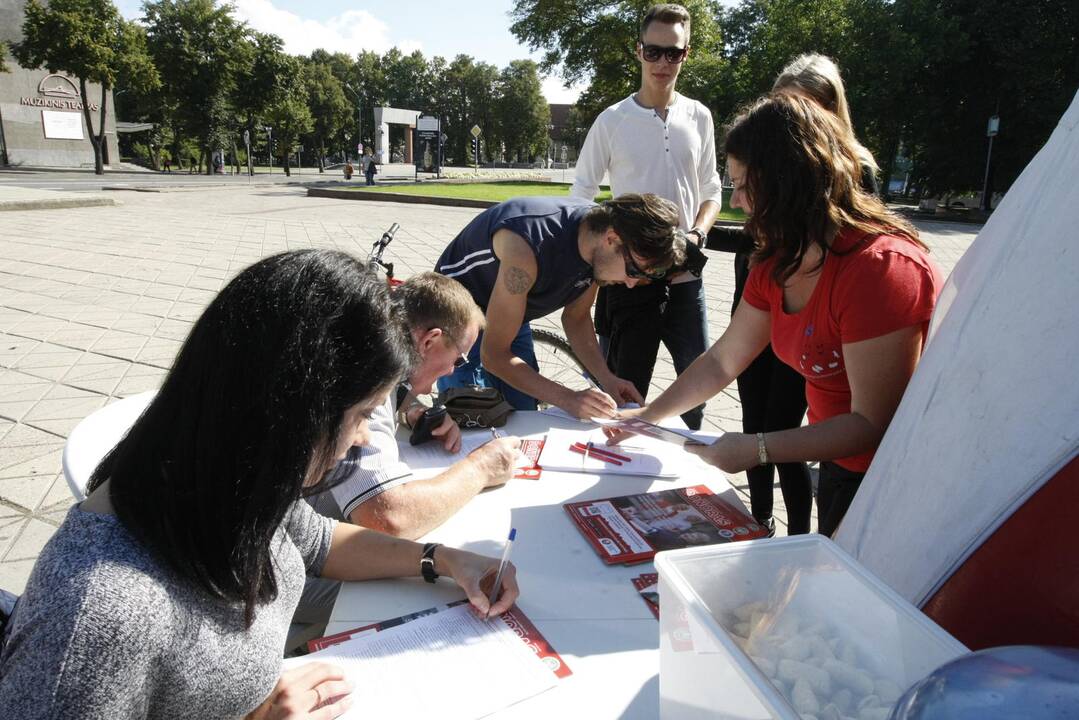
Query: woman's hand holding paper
[731, 452]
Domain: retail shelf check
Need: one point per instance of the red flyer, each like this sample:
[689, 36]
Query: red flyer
[531, 449]
[633, 528]
[647, 586]
[514, 619]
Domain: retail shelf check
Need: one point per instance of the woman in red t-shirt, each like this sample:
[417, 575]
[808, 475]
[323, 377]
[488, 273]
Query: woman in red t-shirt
[840, 285]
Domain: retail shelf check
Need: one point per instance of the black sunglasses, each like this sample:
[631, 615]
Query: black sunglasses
[636, 272]
[674, 55]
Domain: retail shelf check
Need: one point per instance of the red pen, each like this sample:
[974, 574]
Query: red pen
[604, 455]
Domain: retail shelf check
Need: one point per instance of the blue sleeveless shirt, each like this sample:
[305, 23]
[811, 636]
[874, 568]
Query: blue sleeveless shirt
[549, 225]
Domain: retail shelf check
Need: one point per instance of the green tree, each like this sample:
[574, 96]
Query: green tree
[262, 68]
[90, 41]
[343, 67]
[329, 108]
[467, 98]
[521, 111]
[198, 47]
[595, 40]
[287, 112]
[368, 82]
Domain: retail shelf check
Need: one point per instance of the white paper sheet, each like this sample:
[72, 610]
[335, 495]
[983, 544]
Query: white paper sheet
[447, 665]
[648, 457]
[432, 456]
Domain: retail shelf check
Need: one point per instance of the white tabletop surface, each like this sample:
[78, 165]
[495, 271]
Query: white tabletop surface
[588, 611]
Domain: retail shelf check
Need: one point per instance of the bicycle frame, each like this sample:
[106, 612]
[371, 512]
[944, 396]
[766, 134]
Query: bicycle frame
[374, 258]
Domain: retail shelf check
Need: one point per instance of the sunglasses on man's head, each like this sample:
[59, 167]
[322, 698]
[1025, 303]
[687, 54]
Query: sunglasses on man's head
[636, 272]
[674, 55]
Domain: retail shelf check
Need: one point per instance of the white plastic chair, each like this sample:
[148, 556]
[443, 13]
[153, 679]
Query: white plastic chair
[98, 433]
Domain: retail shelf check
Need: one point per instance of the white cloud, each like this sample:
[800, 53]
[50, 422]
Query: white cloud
[556, 94]
[350, 32]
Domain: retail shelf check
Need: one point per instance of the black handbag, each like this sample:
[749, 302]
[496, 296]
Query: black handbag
[473, 406]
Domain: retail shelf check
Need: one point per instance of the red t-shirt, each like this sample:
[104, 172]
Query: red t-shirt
[885, 283]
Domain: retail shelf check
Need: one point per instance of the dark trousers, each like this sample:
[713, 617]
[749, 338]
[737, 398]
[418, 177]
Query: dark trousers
[836, 488]
[638, 319]
[773, 398]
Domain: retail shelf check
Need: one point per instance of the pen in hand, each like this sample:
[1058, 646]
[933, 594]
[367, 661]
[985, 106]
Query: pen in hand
[501, 568]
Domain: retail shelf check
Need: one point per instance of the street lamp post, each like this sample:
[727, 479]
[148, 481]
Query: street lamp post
[991, 132]
[269, 144]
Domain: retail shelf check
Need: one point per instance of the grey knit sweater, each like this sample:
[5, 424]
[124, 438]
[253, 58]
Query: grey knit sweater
[105, 631]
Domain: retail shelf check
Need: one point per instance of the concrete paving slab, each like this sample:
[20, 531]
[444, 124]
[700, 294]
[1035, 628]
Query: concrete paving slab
[22, 199]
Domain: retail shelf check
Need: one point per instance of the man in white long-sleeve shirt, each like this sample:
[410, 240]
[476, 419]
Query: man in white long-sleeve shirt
[660, 142]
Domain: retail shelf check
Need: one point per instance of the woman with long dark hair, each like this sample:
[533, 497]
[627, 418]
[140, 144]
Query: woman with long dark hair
[771, 392]
[169, 591]
[841, 286]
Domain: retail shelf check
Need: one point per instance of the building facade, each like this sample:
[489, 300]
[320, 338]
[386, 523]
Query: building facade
[41, 113]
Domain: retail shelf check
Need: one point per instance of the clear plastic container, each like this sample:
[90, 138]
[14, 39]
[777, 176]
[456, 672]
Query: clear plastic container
[787, 628]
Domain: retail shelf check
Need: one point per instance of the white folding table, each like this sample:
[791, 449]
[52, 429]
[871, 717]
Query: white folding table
[588, 611]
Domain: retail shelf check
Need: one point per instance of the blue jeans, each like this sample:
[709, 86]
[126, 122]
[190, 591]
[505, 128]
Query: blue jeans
[473, 373]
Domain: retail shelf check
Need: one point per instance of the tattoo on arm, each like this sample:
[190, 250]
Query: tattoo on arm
[517, 281]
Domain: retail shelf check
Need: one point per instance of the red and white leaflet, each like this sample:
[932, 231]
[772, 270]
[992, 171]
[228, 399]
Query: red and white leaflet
[516, 620]
[528, 459]
[647, 586]
[633, 528]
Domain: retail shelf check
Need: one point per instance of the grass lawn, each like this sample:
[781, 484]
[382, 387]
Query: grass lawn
[500, 191]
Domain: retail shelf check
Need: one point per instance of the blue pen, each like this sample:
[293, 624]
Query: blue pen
[501, 569]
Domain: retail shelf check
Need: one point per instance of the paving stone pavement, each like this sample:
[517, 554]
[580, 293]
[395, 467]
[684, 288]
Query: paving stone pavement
[95, 302]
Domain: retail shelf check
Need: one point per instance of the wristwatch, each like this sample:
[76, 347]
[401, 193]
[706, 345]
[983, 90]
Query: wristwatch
[701, 235]
[762, 449]
[427, 562]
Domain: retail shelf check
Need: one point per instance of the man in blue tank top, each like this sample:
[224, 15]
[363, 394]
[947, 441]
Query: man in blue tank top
[526, 258]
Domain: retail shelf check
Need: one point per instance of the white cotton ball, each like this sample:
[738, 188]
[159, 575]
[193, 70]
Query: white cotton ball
[844, 700]
[849, 676]
[792, 671]
[797, 648]
[803, 699]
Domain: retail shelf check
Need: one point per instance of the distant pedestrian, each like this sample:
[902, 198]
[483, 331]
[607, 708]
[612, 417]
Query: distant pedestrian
[370, 167]
[349, 170]
[167, 167]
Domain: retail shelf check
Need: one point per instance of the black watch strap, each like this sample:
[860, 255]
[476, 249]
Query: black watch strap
[427, 562]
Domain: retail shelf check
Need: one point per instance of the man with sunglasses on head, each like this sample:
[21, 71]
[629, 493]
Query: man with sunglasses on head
[661, 142]
[530, 256]
[379, 490]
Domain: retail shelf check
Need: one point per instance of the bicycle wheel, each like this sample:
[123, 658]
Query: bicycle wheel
[557, 361]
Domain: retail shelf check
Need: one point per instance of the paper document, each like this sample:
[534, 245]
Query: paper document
[639, 455]
[447, 665]
[432, 456]
[644, 428]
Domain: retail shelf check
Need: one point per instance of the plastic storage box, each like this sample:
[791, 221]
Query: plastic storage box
[786, 628]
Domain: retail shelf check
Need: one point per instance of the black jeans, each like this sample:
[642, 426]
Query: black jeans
[773, 398]
[836, 488]
[638, 319]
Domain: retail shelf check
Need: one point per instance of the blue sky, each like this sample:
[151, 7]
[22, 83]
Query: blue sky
[479, 28]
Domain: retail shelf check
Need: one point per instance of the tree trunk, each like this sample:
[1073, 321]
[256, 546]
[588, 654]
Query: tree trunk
[235, 157]
[321, 155]
[95, 142]
[285, 163]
